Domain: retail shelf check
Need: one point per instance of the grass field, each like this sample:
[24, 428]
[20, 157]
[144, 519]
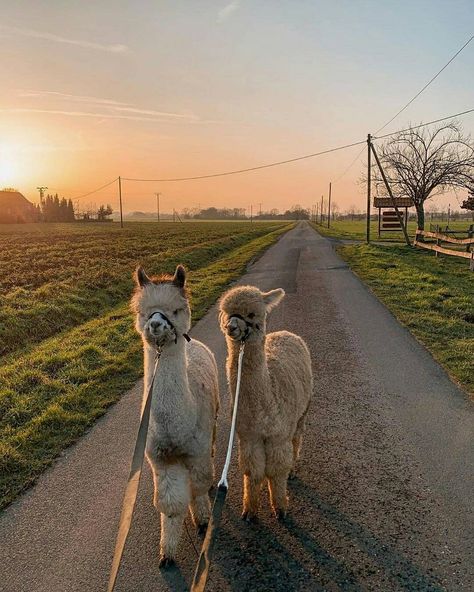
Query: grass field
[433, 297]
[69, 349]
[356, 230]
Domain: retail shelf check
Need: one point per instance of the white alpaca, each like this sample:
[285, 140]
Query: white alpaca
[275, 392]
[180, 443]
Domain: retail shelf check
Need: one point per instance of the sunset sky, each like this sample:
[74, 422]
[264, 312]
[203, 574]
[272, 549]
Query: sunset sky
[93, 90]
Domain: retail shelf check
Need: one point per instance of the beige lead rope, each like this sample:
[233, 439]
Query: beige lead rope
[130, 496]
[204, 562]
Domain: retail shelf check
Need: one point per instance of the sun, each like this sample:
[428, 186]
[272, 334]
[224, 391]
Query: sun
[8, 167]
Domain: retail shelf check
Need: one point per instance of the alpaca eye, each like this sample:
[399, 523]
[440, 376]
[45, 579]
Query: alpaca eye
[251, 315]
[175, 312]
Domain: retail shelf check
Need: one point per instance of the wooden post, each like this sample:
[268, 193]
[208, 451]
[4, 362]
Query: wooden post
[322, 203]
[158, 205]
[369, 187]
[120, 201]
[329, 205]
[392, 199]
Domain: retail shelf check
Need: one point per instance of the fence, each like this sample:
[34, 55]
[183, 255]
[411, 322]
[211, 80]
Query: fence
[441, 237]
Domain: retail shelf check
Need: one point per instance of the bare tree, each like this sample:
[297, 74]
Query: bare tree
[421, 163]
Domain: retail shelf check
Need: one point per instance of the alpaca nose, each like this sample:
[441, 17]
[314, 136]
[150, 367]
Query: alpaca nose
[154, 325]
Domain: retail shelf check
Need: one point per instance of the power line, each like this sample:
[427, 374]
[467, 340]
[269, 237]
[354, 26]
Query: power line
[256, 168]
[414, 127]
[408, 104]
[95, 190]
[426, 85]
[274, 164]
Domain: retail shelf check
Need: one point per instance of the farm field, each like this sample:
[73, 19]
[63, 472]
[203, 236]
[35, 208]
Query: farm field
[433, 297]
[68, 348]
[356, 229]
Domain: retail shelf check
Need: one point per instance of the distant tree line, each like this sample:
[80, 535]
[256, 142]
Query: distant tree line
[295, 213]
[53, 209]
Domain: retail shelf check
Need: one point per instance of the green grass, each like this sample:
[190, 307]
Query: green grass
[433, 297]
[52, 391]
[356, 230]
[53, 277]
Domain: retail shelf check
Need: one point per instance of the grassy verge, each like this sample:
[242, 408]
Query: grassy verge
[433, 297]
[356, 230]
[56, 279]
[52, 394]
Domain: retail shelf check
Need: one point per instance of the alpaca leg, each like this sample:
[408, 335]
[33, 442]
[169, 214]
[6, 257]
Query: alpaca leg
[296, 442]
[201, 472]
[279, 462]
[172, 497]
[252, 463]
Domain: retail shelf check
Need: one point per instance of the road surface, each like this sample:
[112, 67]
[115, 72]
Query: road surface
[383, 497]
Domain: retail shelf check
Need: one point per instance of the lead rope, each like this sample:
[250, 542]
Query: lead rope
[204, 563]
[131, 490]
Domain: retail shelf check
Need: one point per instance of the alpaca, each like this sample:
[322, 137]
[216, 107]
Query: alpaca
[275, 392]
[185, 401]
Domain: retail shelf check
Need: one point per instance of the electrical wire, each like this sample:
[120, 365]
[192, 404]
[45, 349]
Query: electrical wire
[247, 170]
[407, 105]
[414, 127]
[94, 190]
[426, 86]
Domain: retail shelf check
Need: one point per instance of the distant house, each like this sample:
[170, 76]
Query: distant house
[15, 208]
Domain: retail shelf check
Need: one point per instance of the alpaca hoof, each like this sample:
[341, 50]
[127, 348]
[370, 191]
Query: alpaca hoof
[202, 529]
[249, 517]
[280, 514]
[166, 562]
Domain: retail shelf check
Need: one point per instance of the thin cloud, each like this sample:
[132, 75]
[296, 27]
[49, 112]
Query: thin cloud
[155, 113]
[108, 104]
[113, 48]
[163, 117]
[227, 11]
[44, 94]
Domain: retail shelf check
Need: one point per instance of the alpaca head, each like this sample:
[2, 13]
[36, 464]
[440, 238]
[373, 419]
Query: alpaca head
[243, 312]
[161, 307]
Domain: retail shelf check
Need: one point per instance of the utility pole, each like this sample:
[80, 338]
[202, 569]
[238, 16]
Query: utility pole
[158, 205]
[260, 213]
[329, 205]
[369, 188]
[41, 192]
[251, 213]
[322, 204]
[120, 201]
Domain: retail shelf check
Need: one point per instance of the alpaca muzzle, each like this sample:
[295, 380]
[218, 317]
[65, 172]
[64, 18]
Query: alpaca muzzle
[238, 328]
[160, 329]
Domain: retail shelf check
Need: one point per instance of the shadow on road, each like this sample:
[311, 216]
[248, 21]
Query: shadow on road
[289, 556]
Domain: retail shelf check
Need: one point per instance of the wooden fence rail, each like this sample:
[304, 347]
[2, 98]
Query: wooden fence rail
[440, 237]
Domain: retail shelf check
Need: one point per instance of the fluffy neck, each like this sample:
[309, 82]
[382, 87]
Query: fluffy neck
[254, 364]
[174, 407]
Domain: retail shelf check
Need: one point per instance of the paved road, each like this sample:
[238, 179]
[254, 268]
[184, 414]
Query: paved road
[383, 498]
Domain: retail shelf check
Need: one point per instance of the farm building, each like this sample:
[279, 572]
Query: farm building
[15, 208]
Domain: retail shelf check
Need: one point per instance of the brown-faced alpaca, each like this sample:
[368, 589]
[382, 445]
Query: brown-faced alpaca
[275, 392]
[184, 406]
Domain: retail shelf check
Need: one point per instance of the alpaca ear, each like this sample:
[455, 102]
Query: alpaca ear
[179, 278]
[272, 298]
[141, 277]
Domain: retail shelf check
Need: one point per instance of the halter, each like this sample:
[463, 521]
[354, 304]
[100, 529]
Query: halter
[171, 326]
[248, 324]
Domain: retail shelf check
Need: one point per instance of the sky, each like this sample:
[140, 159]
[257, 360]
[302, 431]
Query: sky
[153, 89]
